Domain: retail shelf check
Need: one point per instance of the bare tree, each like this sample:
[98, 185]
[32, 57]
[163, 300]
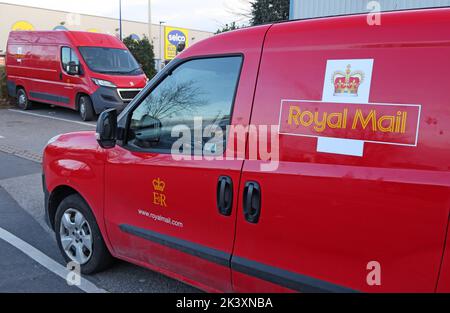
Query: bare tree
[256, 12]
[243, 11]
[174, 98]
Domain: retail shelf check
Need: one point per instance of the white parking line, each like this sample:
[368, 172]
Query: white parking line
[51, 117]
[1, 137]
[45, 261]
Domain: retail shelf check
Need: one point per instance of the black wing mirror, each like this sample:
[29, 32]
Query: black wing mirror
[73, 68]
[181, 47]
[107, 129]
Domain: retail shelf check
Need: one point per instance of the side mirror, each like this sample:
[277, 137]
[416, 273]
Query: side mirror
[73, 68]
[107, 129]
[180, 47]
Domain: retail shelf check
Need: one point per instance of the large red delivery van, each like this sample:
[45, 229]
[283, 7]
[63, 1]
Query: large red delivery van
[357, 199]
[87, 72]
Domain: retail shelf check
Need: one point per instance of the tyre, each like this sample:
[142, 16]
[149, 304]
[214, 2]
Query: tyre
[22, 100]
[85, 108]
[79, 237]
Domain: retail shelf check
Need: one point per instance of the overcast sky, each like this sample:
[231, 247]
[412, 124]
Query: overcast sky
[198, 14]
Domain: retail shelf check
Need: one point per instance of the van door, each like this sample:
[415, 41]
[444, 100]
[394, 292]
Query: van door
[166, 206]
[48, 85]
[360, 197]
[67, 81]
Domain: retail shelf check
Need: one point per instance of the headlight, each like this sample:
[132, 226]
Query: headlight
[103, 83]
[53, 140]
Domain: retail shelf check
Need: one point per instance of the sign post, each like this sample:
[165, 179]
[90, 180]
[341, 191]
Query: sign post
[120, 20]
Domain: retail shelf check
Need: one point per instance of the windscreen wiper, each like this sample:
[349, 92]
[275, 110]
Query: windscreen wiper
[139, 68]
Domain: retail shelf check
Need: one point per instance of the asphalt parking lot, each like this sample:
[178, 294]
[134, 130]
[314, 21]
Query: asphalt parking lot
[30, 260]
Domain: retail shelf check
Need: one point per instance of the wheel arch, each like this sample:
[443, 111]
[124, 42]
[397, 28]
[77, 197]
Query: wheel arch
[55, 199]
[21, 86]
[61, 192]
[78, 96]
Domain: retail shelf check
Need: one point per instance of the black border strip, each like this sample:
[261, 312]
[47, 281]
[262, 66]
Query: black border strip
[49, 97]
[12, 87]
[209, 254]
[284, 278]
[261, 271]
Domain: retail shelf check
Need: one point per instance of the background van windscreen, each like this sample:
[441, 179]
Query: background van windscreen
[110, 61]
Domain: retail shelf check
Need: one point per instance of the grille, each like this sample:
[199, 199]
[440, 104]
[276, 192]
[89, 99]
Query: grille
[128, 95]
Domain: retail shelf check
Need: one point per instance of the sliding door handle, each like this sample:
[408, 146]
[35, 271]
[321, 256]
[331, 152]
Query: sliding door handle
[225, 195]
[252, 202]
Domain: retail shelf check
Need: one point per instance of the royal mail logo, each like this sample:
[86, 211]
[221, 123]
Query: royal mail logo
[159, 198]
[396, 124]
[347, 83]
[159, 185]
[345, 120]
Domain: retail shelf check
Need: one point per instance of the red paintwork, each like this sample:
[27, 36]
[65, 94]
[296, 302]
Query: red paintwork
[325, 216]
[40, 68]
[444, 277]
[328, 216]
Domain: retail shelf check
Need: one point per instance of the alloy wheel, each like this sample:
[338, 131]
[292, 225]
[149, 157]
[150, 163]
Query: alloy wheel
[76, 236]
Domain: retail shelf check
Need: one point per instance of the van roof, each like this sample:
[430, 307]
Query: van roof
[75, 38]
[221, 43]
[430, 11]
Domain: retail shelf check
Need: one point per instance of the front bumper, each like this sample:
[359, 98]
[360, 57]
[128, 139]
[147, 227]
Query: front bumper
[108, 98]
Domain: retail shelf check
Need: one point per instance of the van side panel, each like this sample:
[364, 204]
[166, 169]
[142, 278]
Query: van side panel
[47, 86]
[330, 222]
[34, 64]
[18, 56]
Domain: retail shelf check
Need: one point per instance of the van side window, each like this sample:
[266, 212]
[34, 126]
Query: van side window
[67, 56]
[202, 89]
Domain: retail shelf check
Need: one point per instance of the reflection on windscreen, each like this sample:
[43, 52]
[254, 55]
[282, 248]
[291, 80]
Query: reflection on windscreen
[111, 61]
[197, 89]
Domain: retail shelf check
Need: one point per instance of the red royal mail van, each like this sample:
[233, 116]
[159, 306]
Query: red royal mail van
[337, 169]
[83, 71]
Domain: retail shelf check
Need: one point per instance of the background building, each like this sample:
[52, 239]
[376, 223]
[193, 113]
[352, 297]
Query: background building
[301, 9]
[18, 17]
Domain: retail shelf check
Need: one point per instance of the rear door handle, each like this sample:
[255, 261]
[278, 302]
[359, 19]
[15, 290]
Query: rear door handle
[60, 76]
[252, 202]
[225, 195]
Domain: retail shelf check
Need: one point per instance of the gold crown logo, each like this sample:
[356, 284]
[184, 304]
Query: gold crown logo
[348, 82]
[159, 185]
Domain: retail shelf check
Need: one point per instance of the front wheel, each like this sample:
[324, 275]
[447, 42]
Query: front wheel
[86, 109]
[79, 237]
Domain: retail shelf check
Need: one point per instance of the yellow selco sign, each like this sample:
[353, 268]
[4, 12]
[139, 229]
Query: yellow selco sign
[173, 37]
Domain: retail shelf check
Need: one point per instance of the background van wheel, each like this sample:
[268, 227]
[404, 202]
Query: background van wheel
[79, 238]
[86, 109]
[22, 100]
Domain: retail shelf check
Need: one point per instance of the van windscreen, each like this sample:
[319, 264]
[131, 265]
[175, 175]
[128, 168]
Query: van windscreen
[110, 61]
